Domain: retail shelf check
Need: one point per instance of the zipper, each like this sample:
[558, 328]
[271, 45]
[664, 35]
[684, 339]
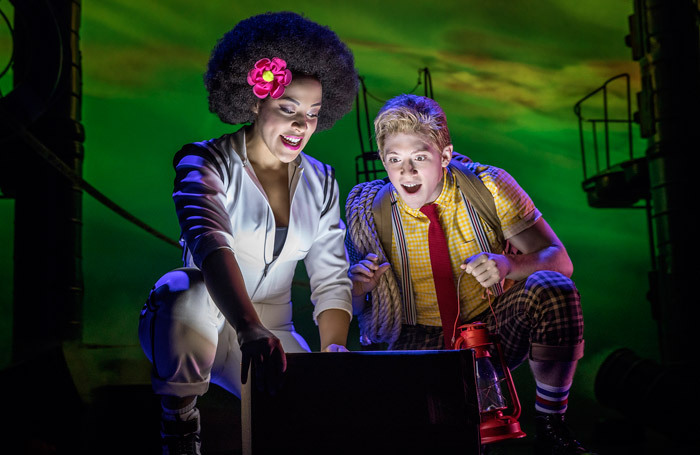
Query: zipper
[293, 183]
[251, 175]
[267, 264]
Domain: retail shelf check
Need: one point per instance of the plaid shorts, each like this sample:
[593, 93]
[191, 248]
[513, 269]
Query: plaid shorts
[539, 317]
[419, 337]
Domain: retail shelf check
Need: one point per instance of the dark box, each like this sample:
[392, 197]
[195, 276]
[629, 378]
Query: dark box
[367, 402]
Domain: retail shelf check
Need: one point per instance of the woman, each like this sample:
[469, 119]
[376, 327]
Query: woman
[251, 205]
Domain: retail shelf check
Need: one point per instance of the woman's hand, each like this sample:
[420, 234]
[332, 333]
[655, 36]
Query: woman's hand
[336, 348]
[263, 350]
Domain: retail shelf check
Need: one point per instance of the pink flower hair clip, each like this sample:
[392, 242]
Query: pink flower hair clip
[269, 77]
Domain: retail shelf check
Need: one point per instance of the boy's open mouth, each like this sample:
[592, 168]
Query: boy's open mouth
[411, 188]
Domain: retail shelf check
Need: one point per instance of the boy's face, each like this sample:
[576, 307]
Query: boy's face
[415, 167]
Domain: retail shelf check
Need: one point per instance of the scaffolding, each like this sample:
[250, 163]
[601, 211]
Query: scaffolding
[367, 164]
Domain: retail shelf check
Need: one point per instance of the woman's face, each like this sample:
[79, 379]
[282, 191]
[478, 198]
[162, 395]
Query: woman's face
[284, 125]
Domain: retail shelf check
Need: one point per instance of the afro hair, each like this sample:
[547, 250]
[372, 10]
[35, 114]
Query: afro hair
[307, 47]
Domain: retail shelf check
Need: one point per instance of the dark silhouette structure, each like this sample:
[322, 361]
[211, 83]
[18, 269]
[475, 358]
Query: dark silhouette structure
[42, 139]
[665, 40]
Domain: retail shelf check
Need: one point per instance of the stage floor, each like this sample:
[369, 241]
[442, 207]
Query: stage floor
[100, 402]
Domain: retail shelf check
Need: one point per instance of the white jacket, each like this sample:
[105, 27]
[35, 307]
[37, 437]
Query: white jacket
[221, 204]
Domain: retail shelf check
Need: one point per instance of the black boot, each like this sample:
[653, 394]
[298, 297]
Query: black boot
[553, 437]
[181, 437]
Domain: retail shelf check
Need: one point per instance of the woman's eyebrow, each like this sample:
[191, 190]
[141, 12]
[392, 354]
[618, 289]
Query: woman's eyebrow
[291, 99]
[297, 102]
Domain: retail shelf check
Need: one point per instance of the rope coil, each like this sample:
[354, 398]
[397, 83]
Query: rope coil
[379, 322]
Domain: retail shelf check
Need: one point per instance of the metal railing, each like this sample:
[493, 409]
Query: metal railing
[367, 166]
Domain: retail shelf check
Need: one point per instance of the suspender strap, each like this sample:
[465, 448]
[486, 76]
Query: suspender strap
[481, 238]
[474, 191]
[408, 302]
[480, 205]
[388, 220]
[381, 209]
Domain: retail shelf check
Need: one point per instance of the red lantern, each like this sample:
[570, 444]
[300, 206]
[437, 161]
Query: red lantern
[496, 424]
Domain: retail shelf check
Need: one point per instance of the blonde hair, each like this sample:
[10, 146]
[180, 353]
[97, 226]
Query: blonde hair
[412, 114]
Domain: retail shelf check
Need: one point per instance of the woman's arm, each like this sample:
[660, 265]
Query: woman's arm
[327, 267]
[259, 346]
[333, 326]
[200, 193]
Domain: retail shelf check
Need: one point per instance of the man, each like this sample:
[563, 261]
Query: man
[434, 196]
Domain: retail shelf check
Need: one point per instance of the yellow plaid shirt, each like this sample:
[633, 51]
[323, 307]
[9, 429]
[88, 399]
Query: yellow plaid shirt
[515, 210]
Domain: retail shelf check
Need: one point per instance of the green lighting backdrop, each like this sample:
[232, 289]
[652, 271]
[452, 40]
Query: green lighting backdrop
[507, 73]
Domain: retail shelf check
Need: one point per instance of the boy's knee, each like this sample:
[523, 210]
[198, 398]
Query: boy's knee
[558, 314]
[549, 285]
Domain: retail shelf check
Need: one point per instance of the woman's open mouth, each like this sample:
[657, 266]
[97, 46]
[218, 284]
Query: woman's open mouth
[291, 142]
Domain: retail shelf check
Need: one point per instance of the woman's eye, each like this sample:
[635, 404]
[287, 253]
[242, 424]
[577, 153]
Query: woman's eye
[312, 115]
[286, 111]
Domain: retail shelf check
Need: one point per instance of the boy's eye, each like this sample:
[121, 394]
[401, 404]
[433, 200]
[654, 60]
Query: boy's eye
[393, 160]
[420, 158]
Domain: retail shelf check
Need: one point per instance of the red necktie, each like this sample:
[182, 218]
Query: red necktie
[442, 273]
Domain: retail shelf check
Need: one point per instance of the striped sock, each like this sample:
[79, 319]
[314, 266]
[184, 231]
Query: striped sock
[551, 400]
[186, 413]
